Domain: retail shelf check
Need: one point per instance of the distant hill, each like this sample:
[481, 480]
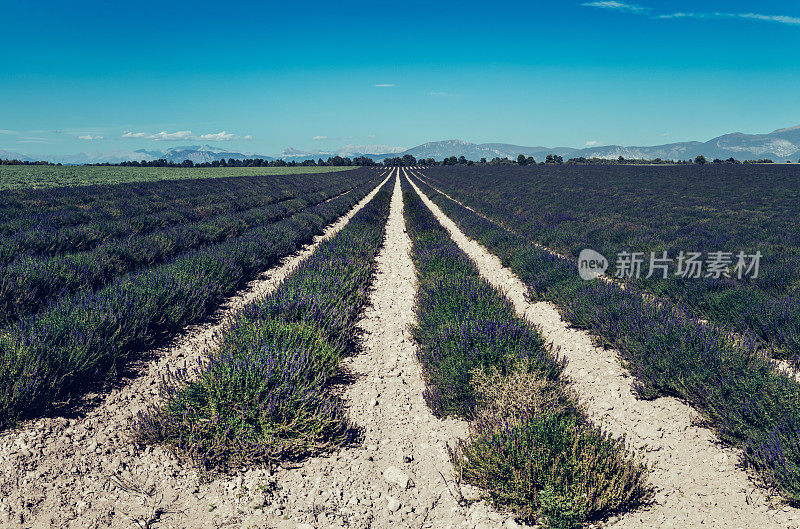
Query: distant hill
[779, 145]
[197, 154]
[12, 155]
[376, 152]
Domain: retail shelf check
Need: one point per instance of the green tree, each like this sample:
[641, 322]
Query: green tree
[409, 160]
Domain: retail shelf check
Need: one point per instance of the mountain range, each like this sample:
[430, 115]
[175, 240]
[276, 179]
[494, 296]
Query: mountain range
[779, 145]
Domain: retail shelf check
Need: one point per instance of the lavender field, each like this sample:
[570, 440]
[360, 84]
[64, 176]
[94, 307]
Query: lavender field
[397, 347]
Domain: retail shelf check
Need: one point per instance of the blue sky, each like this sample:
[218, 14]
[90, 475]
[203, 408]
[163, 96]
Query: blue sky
[262, 76]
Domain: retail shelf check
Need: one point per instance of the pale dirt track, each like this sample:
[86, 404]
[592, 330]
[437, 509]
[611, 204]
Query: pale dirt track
[697, 480]
[85, 472]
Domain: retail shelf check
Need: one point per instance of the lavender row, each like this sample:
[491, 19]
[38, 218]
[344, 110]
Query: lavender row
[40, 229]
[732, 385]
[655, 209]
[81, 337]
[530, 448]
[29, 283]
[264, 394]
[73, 206]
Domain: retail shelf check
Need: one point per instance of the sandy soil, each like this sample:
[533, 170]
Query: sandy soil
[697, 480]
[84, 471]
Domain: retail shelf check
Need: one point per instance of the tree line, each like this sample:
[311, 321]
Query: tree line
[25, 162]
[404, 161]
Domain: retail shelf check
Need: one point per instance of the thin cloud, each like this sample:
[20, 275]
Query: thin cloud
[780, 19]
[384, 85]
[183, 135]
[440, 94]
[320, 138]
[370, 136]
[89, 137]
[618, 6]
[9, 132]
[641, 10]
[592, 143]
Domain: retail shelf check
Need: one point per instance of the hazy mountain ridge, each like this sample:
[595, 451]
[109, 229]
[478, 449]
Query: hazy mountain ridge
[779, 145]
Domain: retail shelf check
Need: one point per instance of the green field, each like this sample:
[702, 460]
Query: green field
[41, 176]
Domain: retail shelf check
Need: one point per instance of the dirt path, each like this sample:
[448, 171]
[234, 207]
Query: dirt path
[85, 472]
[697, 480]
[397, 479]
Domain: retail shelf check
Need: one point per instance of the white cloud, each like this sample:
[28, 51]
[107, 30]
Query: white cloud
[172, 136]
[219, 136]
[320, 137]
[617, 6]
[129, 134]
[592, 143]
[440, 94]
[9, 132]
[384, 85]
[370, 136]
[90, 137]
[182, 135]
[780, 19]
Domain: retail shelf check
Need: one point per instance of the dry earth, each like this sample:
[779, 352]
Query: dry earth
[698, 481]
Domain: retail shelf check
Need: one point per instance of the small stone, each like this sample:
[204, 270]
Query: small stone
[392, 503]
[396, 476]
